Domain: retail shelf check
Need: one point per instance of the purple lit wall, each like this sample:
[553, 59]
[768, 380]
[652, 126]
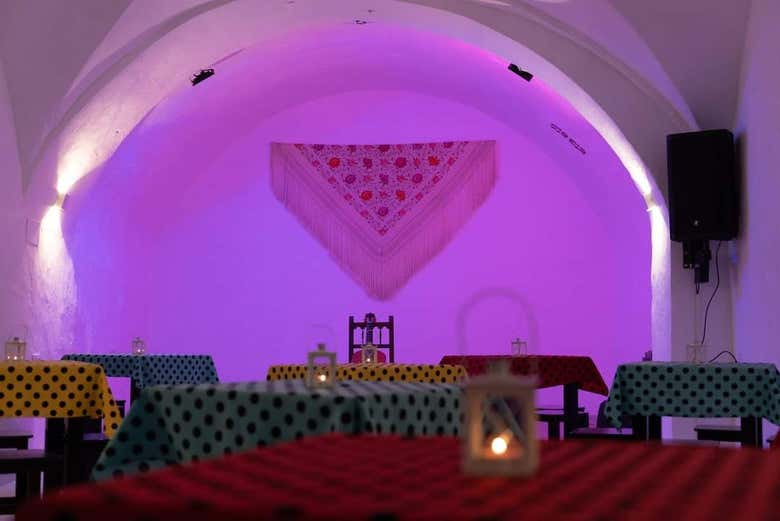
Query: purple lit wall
[553, 256]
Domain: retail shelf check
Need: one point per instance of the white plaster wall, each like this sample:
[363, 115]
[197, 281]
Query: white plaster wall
[757, 274]
[12, 245]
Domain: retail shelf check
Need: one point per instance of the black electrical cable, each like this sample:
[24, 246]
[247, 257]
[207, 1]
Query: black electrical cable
[717, 285]
[722, 352]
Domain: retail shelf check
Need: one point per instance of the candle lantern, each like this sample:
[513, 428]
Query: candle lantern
[519, 347]
[138, 346]
[499, 435]
[369, 354]
[15, 349]
[319, 374]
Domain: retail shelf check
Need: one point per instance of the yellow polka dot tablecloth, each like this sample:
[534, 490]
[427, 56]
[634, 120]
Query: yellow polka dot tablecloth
[421, 373]
[57, 389]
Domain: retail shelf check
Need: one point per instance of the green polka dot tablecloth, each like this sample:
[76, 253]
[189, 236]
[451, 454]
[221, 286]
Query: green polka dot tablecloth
[695, 390]
[148, 370]
[176, 424]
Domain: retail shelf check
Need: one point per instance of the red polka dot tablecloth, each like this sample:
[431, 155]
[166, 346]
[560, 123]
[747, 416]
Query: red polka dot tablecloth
[550, 370]
[57, 389]
[346, 478]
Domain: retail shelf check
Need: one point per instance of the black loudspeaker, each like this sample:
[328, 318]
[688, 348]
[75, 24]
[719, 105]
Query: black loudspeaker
[703, 189]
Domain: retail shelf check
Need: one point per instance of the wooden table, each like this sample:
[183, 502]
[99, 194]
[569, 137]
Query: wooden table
[571, 372]
[427, 373]
[650, 390]
[65, 391]
[338, 477]
[149, 370]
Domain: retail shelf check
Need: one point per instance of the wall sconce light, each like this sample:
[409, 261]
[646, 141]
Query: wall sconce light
[499, 436]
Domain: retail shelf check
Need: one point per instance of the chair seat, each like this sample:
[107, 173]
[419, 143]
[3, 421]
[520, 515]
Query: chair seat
[718, 433]
[601, 433]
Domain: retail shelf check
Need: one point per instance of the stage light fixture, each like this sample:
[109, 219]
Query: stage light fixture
[527, 76]
[202, 75]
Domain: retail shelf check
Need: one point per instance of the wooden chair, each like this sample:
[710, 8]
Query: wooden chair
[28, 466]
[372, 332]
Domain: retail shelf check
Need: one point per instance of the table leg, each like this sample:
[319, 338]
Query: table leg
[65, 436]
[74, 440]
[571, 407]
[135, 392]
[752, 431]
[654, 427]
[646, 428]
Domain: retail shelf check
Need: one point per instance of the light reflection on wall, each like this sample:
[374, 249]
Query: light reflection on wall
[53, 289]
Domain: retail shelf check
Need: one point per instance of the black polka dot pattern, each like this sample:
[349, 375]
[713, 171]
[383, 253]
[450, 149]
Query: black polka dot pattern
[175, 424]
[57, 389]
[149, 370]
[378, 372]
[695, 390]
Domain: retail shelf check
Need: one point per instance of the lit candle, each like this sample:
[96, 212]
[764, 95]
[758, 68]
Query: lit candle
[499, 445]
[322, 378]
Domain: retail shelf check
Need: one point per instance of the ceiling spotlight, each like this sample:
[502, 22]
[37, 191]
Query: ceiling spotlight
[360, 22]
[202, 75]
[527, 76]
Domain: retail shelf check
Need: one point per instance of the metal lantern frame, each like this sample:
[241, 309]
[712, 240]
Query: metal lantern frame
[314, 369]
[521, 456]
[519, 347]
[369, 354]
[15, 349]
[138, 346]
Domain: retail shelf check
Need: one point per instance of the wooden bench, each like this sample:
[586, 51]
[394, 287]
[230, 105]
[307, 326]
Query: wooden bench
[554, 417]
[28, 466]
[732, 433]
[15, 439]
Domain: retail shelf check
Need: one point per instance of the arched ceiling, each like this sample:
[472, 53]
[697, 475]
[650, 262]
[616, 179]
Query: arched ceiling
[93, 41]
[177, 141]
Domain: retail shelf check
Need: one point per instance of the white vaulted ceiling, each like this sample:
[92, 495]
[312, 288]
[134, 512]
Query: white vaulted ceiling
[57, 56]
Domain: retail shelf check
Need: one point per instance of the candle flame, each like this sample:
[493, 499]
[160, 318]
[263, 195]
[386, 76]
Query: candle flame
[499, 445]
[323, 378]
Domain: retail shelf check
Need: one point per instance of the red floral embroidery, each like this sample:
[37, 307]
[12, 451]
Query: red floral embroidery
[366, 183]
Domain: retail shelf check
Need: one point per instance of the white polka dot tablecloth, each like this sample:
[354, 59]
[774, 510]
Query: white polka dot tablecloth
[176, 424]
[148, 370]
[695, 390]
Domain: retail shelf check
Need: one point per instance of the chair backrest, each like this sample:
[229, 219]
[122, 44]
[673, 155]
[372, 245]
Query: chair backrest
[603, 423]
[381, 334]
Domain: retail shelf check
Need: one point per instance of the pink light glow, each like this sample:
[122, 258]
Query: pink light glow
[182, 242]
